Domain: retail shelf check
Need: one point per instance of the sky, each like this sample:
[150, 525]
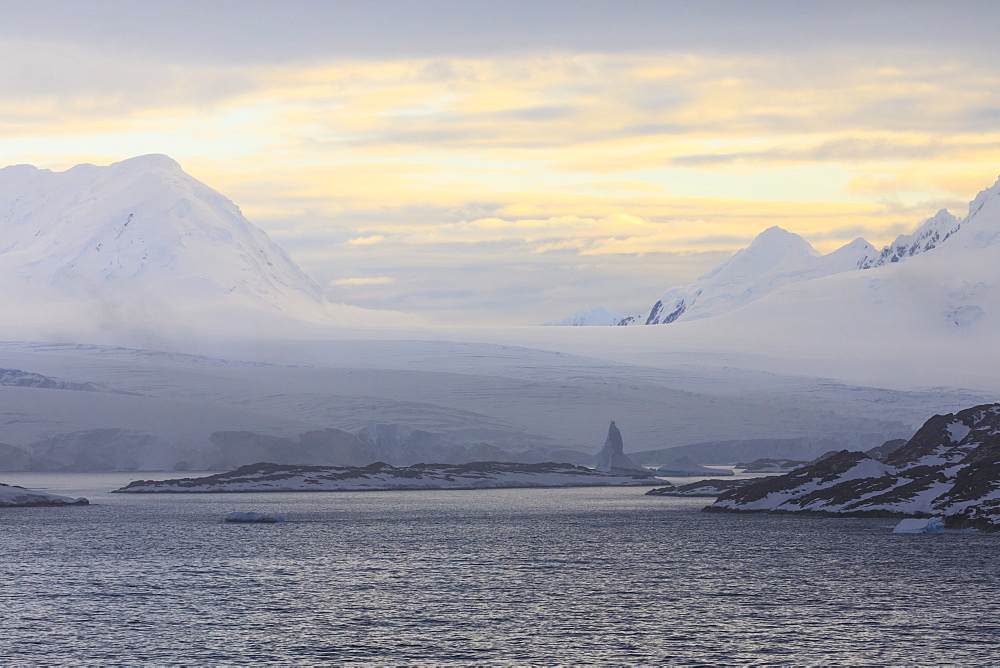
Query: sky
[515, 162]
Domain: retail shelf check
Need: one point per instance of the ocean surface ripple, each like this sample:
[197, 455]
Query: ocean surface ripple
[484, 577]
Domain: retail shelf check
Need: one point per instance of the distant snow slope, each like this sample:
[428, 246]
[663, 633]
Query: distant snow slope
[929, 320]
[594, 317]
[933, 306]
[353, 402]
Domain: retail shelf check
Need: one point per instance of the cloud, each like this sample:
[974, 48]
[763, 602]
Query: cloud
[256, 31]
[853, 150]
[528, 169]
[366, 241]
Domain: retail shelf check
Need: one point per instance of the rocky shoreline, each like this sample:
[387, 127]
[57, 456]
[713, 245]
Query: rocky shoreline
[12, 496]
[266, 477]
[950, 468]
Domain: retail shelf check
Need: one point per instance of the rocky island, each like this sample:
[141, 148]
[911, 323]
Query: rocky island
[266, 477]
[950, 469]
[699, 488]
[19, 497]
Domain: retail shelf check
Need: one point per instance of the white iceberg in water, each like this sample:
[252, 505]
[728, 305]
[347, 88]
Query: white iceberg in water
[254, 517]
[920, 525]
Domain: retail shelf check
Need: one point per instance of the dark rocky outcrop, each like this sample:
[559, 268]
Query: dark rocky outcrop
[949, 468]
[268, 477]
[700, 488]
[770, 465]
[883, 451]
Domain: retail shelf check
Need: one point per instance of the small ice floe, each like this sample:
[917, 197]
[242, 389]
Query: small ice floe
[920, 525]
[254, 517]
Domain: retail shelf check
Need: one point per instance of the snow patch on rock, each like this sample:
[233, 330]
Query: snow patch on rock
[11, 496]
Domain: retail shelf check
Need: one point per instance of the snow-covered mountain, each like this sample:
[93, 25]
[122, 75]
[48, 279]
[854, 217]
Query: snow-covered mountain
[775, 258]
[931, 317]
[954, 287]
[140, 243]
[750, 380]
[138, 224]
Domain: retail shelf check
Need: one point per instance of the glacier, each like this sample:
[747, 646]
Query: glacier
[118, 363]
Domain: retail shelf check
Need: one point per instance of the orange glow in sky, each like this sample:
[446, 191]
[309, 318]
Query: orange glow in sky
[597, 171]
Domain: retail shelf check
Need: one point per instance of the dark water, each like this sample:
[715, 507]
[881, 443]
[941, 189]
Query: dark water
[485, 577]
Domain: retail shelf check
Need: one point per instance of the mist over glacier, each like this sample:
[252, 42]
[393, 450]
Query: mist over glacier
[151, 326]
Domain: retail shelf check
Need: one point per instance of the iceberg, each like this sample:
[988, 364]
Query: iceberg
[920, 525]
[612, 458]
[260, 518]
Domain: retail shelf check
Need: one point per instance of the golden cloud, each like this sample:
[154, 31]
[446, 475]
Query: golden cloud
[586, 153]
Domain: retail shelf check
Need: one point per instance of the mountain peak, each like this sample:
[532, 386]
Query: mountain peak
[779, 240]
[776, 231]
[776, 234]
[773, 249]
[149, 162]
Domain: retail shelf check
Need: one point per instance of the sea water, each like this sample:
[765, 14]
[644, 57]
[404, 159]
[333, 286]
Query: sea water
[479, 577]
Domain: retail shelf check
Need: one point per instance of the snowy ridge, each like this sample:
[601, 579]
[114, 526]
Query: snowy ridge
[927, 237]
[381, 477]
[775, 258]
[950, 468]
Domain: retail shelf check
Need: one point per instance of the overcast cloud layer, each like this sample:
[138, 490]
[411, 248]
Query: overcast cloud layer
[515, 162]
